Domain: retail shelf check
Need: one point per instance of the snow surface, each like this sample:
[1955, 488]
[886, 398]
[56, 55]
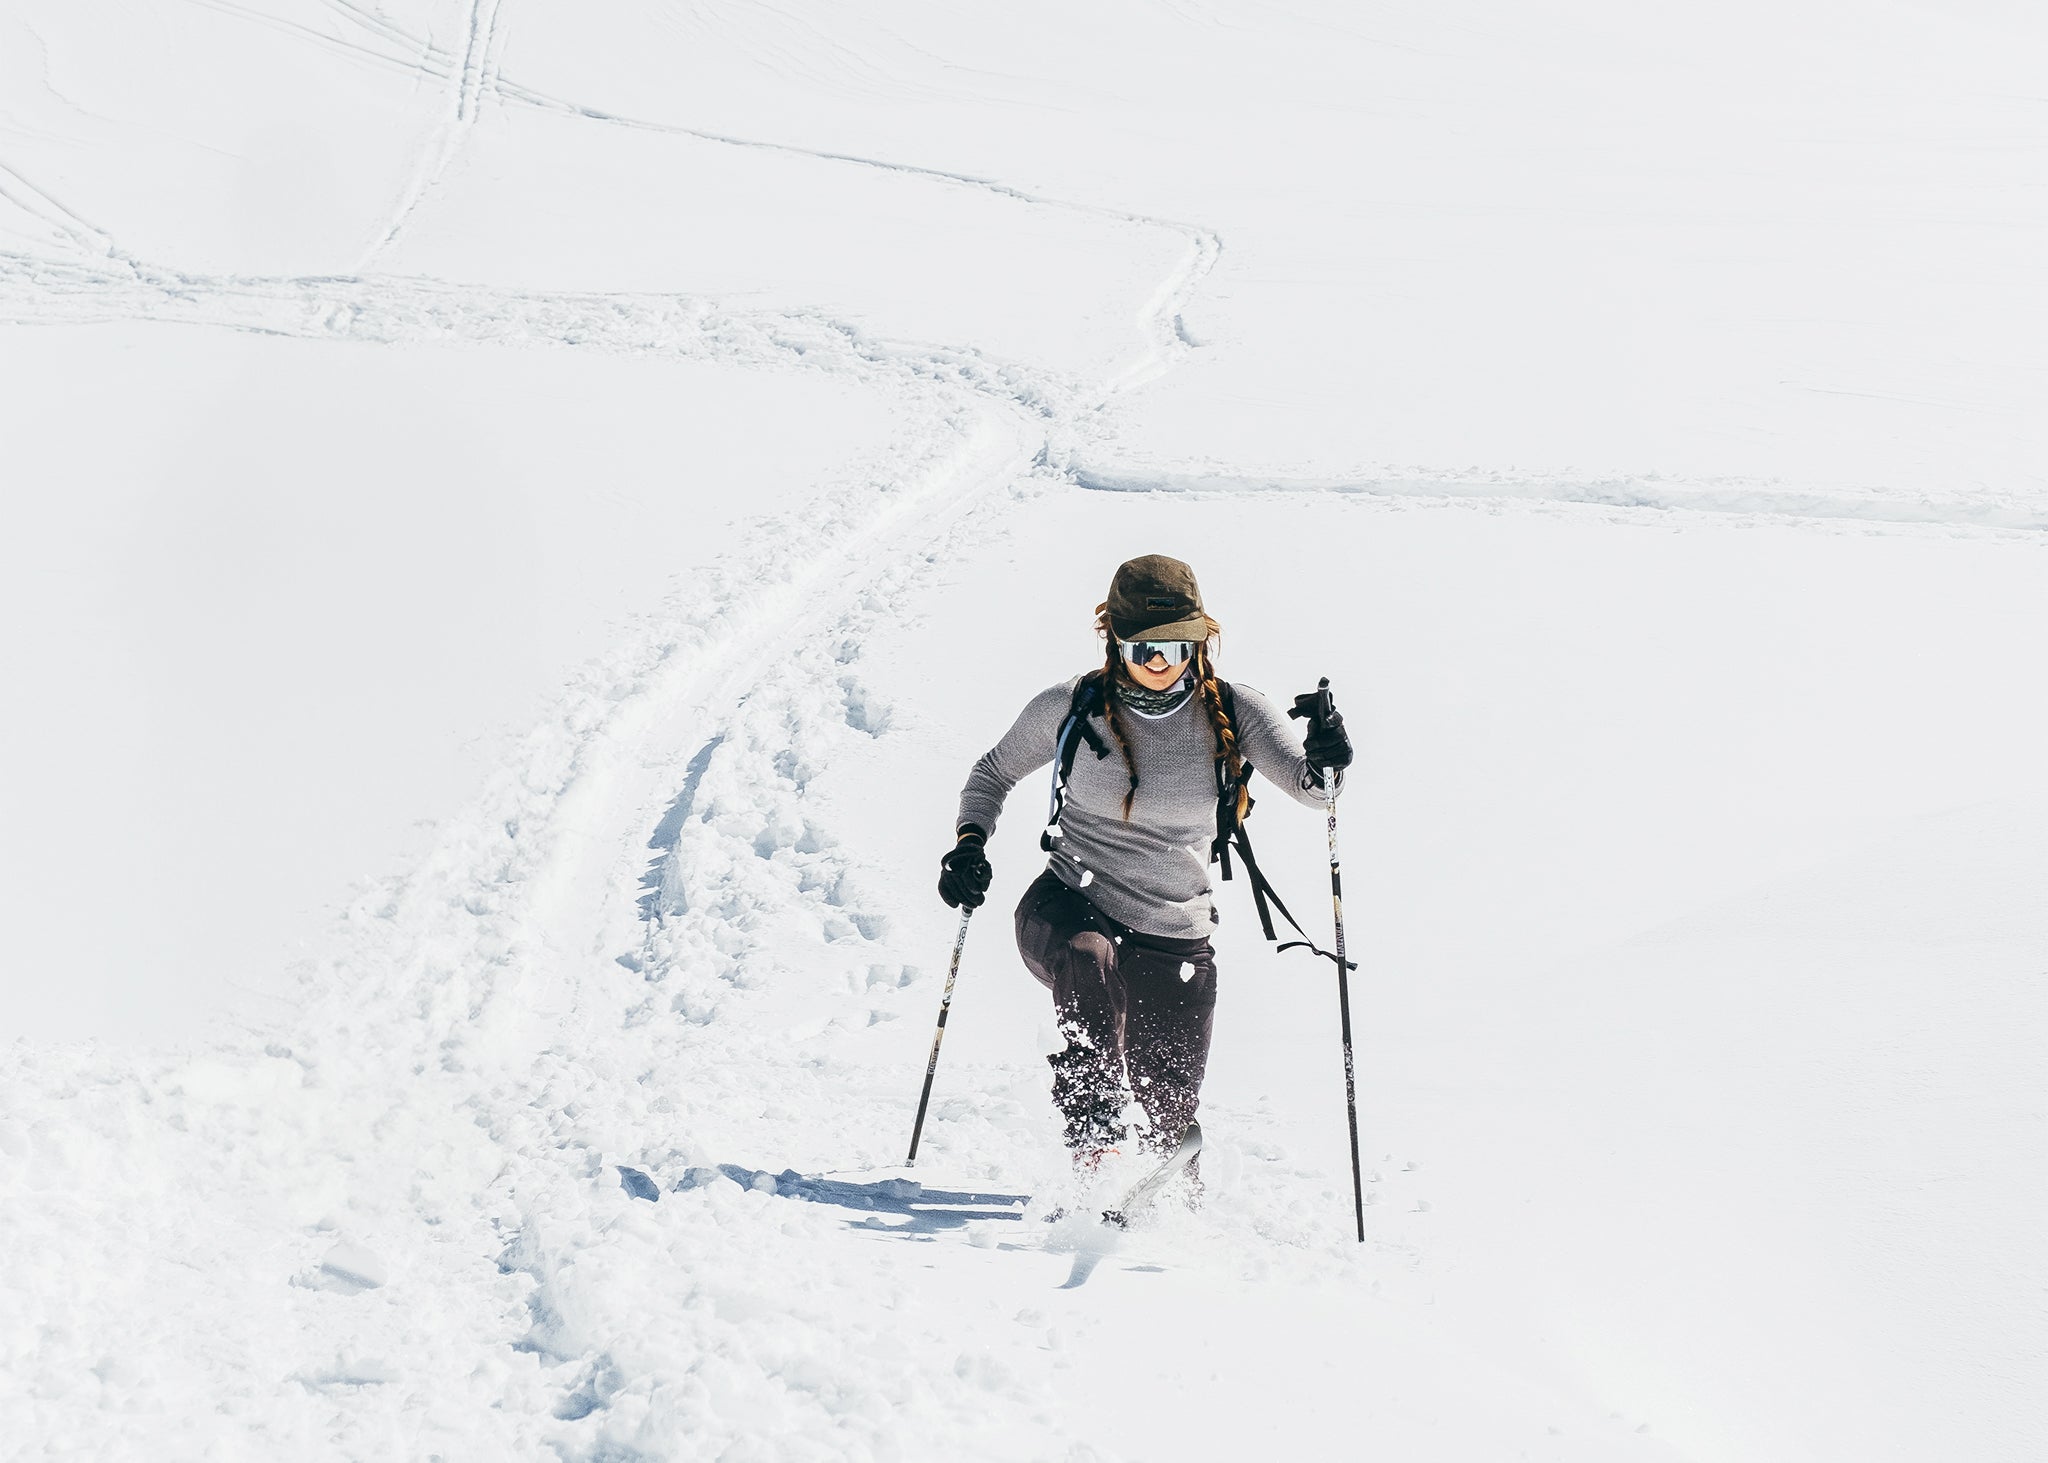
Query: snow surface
[519, 519]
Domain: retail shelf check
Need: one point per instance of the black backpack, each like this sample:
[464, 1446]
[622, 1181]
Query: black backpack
[1089, 701]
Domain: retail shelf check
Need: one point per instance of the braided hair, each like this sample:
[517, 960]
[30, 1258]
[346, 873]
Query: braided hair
[1212, 702]
[1112, 668]
[1226, 735]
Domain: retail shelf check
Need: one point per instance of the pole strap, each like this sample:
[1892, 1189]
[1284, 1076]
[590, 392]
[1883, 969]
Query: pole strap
[1264, 893]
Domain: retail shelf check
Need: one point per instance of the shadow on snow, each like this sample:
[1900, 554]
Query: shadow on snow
[916, 1211]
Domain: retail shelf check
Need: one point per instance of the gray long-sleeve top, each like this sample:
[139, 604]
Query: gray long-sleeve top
[1151, 872]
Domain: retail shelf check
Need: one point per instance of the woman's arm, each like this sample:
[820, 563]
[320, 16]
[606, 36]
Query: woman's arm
[1025, 747]
[1270, 743]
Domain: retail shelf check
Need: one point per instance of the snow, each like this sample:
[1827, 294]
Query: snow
[520, 519]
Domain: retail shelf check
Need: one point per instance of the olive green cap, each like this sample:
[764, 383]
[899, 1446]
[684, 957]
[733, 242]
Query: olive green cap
[1156, 598]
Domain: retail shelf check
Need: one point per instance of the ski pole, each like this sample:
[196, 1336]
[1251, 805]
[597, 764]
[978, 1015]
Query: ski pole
[1316, 707]
[939, 1035]
[1319, 708]
[1344, 996]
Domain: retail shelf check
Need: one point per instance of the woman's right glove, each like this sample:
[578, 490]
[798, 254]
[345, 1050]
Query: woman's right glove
[964, 873]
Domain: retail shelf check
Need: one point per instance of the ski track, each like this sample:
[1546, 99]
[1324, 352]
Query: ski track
[479, 1284]
[2008, 513]
[472, 73]
[467, 84]
[390, 309]
[338, 45]
[39, 205]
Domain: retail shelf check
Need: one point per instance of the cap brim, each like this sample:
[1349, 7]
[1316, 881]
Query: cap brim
[1196, 629]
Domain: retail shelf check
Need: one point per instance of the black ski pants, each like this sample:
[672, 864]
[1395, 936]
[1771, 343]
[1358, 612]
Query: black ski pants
[1128, 1003]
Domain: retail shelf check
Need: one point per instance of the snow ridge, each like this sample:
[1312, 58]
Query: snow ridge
[390, 309]
[1972, 509]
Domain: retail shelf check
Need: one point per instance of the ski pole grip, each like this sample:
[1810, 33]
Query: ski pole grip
[1318, 705]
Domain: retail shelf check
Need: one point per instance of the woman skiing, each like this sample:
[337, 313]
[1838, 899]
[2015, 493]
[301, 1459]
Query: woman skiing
[1118, 925]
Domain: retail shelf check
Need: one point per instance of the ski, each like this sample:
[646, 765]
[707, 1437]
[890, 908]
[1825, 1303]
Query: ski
[1141, 1194]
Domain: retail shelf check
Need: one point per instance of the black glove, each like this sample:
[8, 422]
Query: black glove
[964, 873]
[1327, 743]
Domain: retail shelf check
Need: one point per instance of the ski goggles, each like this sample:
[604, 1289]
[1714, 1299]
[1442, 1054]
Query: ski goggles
[1140, 652]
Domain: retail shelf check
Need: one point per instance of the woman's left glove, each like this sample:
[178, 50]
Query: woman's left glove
[1327, 743]
[1328, 746]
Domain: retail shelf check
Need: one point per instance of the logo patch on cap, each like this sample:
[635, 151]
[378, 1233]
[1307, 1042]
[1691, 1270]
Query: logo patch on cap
[1162, 602]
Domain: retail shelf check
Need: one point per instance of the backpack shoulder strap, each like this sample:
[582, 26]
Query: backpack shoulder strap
[1090, 695]
[1076, 729]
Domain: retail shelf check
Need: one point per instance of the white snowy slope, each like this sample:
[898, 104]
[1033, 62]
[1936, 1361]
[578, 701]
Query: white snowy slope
[1743, 254]
[272, 625]
[519, 520]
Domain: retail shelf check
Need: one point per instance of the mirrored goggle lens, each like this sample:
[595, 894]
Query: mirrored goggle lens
[1140, 652]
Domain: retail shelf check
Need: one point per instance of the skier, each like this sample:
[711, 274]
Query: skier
[1118, 925]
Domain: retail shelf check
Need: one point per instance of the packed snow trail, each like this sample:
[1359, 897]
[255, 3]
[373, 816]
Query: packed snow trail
[484, 988]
